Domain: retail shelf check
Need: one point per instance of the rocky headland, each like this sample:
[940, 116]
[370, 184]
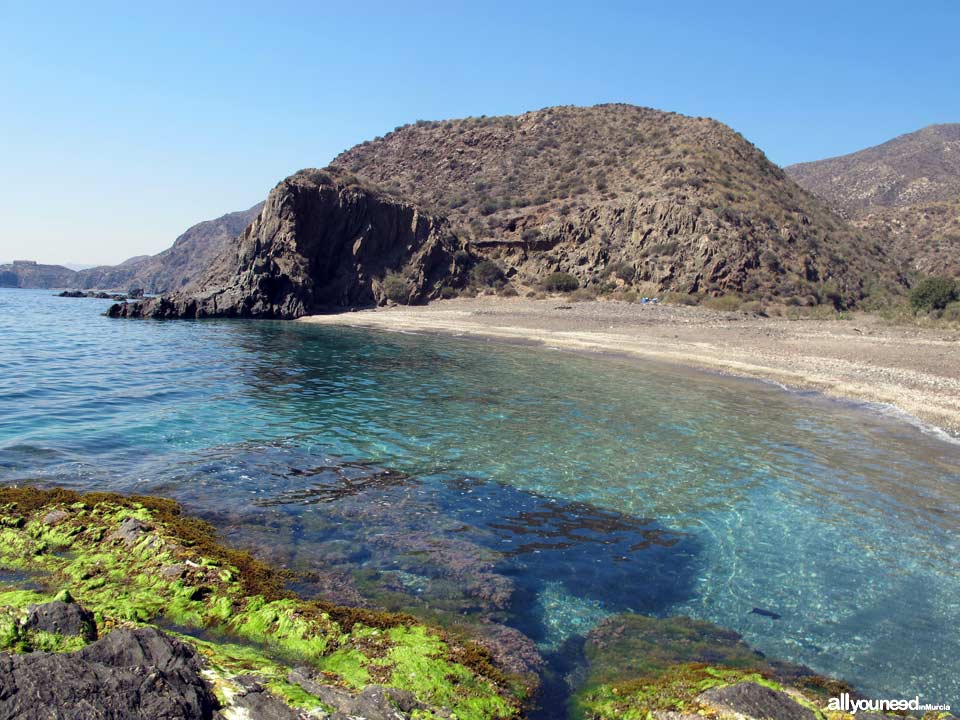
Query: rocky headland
[324, 240]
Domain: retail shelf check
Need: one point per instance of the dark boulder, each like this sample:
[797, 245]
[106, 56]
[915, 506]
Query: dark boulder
[62, 618]
[751, 700]
[128, 675]
[374, 702]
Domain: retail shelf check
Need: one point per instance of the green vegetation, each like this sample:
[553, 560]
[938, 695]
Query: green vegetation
[560, 282]
[137, 560]
[933, 293]
[487, 273]
[397, 288]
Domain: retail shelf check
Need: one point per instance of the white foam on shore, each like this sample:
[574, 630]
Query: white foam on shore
[892, 411]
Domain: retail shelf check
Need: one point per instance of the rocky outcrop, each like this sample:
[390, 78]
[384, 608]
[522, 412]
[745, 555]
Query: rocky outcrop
[755, 701]
[323, 241]
[127, 675]
[61, 618]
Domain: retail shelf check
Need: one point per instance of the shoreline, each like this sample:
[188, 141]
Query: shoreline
[910, 370]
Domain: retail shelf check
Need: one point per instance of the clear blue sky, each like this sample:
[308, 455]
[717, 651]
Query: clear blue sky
[120, 126]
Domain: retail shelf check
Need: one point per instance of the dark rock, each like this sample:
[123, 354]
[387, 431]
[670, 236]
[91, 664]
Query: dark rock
[323, 241]
[55, 517]
[62, 618]
[127, 675]
[260, 704]
[373, 703]
[174, 572]
[72, 294]
[756, 701]
[130, 531]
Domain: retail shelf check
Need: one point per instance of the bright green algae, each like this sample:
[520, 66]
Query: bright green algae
[136, 560]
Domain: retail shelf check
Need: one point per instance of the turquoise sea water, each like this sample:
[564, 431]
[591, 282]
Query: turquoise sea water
[536, 488]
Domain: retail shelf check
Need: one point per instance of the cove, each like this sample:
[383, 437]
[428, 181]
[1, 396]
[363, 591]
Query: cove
[537, 490]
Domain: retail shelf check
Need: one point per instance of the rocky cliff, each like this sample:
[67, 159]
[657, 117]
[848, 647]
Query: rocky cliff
[904, 194]
[670, 202]
[323, 240]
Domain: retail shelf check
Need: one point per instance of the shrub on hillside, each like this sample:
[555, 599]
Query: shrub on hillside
[560, 282]
[623, 270]
[487, 273]
[933, 293]
[951, 313]
[397, 288]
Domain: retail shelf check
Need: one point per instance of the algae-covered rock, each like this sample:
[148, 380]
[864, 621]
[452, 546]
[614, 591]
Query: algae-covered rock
[671, 668]
[137, 562]
[752, 700]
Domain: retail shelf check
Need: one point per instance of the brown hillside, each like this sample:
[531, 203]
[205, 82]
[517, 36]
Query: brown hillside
[187, 259]
[676, 202]
[920, 167]
[904, 193]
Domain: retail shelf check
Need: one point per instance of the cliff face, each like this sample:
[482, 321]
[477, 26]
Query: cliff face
[676, 202]
[322, 241]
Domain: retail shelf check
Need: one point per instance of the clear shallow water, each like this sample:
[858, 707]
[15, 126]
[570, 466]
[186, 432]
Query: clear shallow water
[537, 488]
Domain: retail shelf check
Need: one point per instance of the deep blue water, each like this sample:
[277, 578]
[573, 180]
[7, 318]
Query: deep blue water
[541, 489]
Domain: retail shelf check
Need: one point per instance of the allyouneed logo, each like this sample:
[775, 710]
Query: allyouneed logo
[844, 703]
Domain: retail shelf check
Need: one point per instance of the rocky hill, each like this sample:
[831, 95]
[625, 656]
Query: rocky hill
[188, 258]
[670, 202]
[904, 193]
[28, 274]
[323, 240]
[920, 167]
[612, 195]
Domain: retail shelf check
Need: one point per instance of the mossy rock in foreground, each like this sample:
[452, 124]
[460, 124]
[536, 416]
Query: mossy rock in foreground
[644, 668]
[137, 561]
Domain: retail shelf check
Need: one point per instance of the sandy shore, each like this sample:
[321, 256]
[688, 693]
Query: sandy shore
[914, 369]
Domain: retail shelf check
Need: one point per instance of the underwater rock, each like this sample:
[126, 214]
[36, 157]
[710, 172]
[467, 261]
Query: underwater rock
[61, 618]
[750, 700]
[127, 675]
